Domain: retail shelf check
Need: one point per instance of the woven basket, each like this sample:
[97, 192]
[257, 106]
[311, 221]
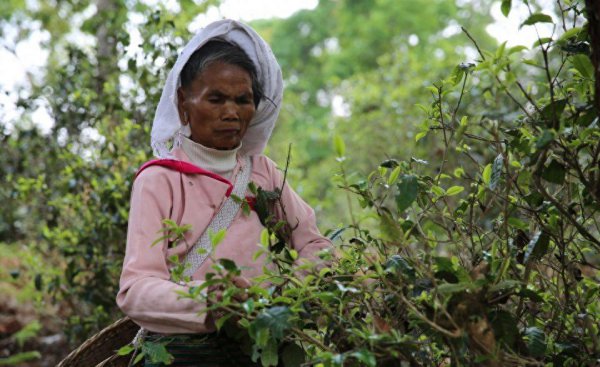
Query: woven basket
[100, 349]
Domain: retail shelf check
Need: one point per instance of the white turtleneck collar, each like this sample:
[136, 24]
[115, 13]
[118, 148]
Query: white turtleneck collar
[221, 162]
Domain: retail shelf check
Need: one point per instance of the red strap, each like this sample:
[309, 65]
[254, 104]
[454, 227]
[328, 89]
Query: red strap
[185, 167]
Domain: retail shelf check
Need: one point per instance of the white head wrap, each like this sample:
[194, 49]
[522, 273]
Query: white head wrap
[167, 124]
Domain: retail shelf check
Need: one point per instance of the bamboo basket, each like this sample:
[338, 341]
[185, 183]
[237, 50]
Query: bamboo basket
[100, 350]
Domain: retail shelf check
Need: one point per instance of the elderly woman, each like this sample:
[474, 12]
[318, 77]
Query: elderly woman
[217, 111]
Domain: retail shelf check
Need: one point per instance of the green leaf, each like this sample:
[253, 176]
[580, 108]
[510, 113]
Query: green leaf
[337, 233]
[443, 264]
[217, 238]
[583, 65]
[454, 190]
[292, 355]
[505, 327]
[531, 294]
[504, 285]
[125, 350]
[228, 264]
[516, 164]
[248, 306]
[450, 288]
[554, 173]
[487, 174]
[27, 332]
[542, 41]
[275, 319]
[516, 49]
[531, 62]
[500, 50]
[222, 320]
[457, 75]
[398, 264]
[554, 110]
[252, 187]
[438, 191]
[496, 171]
[19, 358]
[544, 139]
[139, 358]
[517, 223]
[365, 357]
[269, 356]
[570, 33]
[576, 48]
[264, 237]
[408, 188]
[537, 247]
[345, 289]
[394, 176]
[157, 353]
[537, 18]
[536, 342]
[505, 7]
[421, 135]
[339, 145]
[389, 163]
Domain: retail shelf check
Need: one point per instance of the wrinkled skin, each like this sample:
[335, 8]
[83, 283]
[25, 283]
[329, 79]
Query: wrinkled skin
[218, 106]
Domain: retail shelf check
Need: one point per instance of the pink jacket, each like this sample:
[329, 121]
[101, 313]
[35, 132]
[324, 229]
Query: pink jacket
[146, 294]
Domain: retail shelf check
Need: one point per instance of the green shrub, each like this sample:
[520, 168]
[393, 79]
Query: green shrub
[488, 256]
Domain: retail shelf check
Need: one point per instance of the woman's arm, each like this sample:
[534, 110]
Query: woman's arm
[146, 294]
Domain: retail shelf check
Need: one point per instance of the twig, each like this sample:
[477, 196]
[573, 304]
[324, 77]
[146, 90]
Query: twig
[310, 339]
[496, 76]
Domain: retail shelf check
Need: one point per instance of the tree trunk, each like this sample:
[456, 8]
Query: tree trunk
[593, 11]
[106, 53]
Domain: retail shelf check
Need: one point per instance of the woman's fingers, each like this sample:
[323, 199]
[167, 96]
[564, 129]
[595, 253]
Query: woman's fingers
[241, 282]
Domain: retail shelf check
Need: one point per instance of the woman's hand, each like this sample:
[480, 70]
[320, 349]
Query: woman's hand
[216, 293]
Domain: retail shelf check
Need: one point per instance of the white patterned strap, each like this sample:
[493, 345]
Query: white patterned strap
[222, 220]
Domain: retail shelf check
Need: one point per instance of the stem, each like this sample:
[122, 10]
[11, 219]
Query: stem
[354, 224]
[302, 335]
[462, 92]
[496, 76]
[584, 232]
[443, 124]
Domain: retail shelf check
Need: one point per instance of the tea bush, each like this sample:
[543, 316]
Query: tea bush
[488, 256]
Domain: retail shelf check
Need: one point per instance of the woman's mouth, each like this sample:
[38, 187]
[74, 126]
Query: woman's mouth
[232, 131]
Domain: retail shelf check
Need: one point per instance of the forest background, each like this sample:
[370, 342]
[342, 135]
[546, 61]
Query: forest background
[460, 175]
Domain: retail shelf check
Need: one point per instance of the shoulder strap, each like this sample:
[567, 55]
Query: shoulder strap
[222, 220]
[185, 167]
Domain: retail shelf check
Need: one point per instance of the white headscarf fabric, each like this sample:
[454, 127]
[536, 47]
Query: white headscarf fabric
[167, 124]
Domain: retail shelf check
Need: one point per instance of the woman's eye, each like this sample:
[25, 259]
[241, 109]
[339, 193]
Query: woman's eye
[243, 100]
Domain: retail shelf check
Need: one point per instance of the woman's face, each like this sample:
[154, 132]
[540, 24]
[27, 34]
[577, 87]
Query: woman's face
[218, 105]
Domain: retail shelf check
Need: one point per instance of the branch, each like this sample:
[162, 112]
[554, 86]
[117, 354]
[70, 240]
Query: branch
[584, 232]
[496, 76]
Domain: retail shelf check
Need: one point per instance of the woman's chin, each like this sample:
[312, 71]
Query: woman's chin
[227, 145]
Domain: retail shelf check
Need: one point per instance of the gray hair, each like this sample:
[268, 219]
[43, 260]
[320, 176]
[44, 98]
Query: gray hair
[220, 51]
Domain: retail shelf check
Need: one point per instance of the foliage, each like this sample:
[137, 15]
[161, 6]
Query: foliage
[489, 259]
[67, 196]
[475, 242]
[372, 70]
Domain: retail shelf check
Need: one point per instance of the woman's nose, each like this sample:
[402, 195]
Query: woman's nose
[230, 111]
